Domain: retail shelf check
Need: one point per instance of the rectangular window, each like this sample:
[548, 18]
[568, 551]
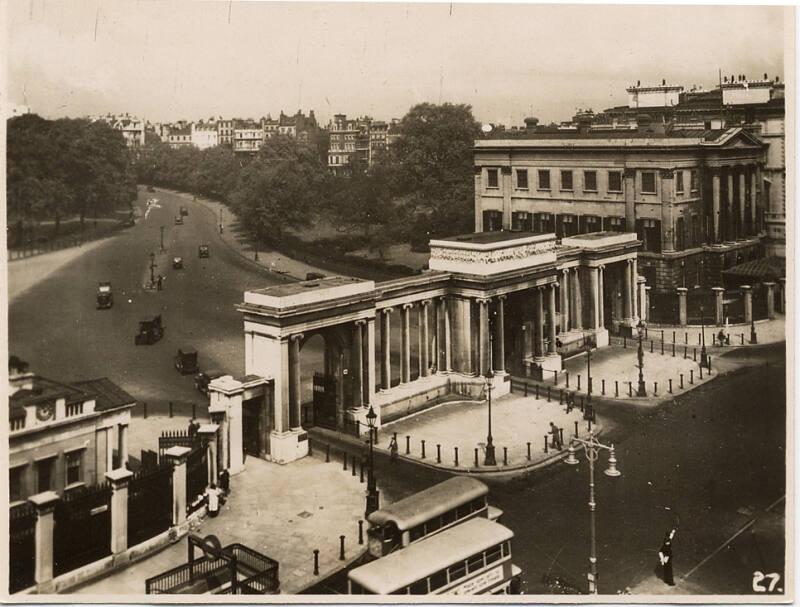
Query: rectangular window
[614, 181]
[566, 181]
[417, 533]
[544, 180]
[648, 182]
[679, 182]
[433, 525]
[457, 571]
[615, 224]
[475, 563]
[44, 474]
[492, 179]
[693, 181]
[590, 181]
[522, 179]
[74, 466]
[15, 481]
[493, 554]
[438, 579]
[420, 586]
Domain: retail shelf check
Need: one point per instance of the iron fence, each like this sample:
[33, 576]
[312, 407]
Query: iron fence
[176, 438]
[22, 547]
[149, 503]
[82, 531]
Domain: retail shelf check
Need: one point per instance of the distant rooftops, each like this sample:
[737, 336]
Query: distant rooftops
[35, 390]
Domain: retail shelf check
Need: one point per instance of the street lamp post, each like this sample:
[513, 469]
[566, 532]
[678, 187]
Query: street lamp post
[592, 448]
[490, 459]
[152, 268]
[641, 390]
[162, 238]
[703, 353]
[373, 497]
[589, 372]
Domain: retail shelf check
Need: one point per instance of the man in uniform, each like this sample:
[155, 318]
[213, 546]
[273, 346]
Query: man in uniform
[665, 558]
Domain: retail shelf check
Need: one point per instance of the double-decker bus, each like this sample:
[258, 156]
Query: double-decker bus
[473, 557]
[430, 511]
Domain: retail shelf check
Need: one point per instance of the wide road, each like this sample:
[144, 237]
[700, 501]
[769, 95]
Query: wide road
[56, 327]
[708, 464]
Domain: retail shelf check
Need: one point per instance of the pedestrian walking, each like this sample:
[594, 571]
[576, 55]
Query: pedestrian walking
[721, 337]
[212, 500]
[556, 436]
[159, 280]
[393, 449]
[225, 482]
[665, 559]
[193, 427]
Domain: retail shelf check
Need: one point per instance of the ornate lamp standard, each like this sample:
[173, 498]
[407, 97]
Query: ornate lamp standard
[490, 459]
[592, 447]
[373, 497]
[641, 390]
[703, 353]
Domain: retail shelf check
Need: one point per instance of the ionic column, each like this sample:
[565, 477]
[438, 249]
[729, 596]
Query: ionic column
[405, 360]
[729, 228]
[742, 201]
[551, 319]
[369, 363]
[448, 338]
[748, 303]
[294, 380]
[538, 318]
[483, 339]
[594, 294]
[635, 286]
[424, 363]
[576, 314]
[122, 444]
[564, 294]
[770, 286]
[715, 188]
[601, 295]
[499, 354]
[386, 350]
[357, 363]
[646, 315]
[641, 297]
[626, 290]
[753, 200]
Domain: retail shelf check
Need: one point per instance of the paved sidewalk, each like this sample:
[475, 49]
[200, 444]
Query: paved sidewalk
[767, 332]
[284, 512]
[268, 258]
[516, 420]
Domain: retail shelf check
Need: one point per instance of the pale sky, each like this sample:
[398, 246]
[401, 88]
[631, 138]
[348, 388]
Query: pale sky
[166, 60]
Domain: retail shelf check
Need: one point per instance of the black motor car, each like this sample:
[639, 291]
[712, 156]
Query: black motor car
[150, 331]
[105, 298]
[186, 361]
[202, 379]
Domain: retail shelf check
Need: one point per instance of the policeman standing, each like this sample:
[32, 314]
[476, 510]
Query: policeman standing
[665, 558]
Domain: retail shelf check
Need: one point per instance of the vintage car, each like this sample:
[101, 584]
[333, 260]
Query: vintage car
[202, 251]
[178, 220]
[202, 379]
[177, 263]
[150, 331]
[314, 276]
[105, 298]
[184, 211]
[186, 360]
[151, 188]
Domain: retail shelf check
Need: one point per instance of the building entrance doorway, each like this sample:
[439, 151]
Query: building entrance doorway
[256, 426]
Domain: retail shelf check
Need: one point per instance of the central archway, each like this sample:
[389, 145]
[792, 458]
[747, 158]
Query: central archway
[324, 379]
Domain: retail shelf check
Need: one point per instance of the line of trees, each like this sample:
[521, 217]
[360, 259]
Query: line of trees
[64, 168]
[422, 186]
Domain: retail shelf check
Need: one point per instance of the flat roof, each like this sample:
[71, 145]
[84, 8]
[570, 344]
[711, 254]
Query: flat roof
[304, 286]
[309, 291]
[487, 237]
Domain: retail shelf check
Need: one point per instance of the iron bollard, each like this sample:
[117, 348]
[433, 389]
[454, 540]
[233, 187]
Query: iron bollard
[651, 346]
[545, 443]
[662, 336]
[170, 408]
[353, 467]
[341, 547]
[358, 427]
[566, 374]
[145, 410]
[694, 354]
[630, 388]
[536, 387]
[579, 382]
[327, 453]
[691, 376]
[360, 532]
[686, 338]
[548, 394]
[699, 338]
[316, 561]
[555, 377]
[456, 448]
[616, 387]
[662, 346]
[560, 436]
[582, 409]
[361, 471]
[438, 454]
[602, 387]
[645, 332]
[673, 349]
[670, 386]
[655, 388]
[408, 444]
[742, 336]
[576, 427]
[526, 388]
[673, 337]
[685, 352]
[423, 448]
[505, 456]
[624, 341]
[681, 385]
[701, 371]
[344, 460]
[708, 359]
[529, 451]
[561, 398]
[476, 457]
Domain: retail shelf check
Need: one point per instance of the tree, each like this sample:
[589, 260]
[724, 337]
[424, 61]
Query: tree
[433, 162]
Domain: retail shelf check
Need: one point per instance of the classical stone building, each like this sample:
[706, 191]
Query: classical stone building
[694, 197]
[510, 302]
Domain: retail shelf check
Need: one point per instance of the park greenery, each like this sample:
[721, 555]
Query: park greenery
[59, 169]
[420, 187]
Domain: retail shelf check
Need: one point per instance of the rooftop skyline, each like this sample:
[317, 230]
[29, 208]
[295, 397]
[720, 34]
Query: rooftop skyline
[166, 61]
